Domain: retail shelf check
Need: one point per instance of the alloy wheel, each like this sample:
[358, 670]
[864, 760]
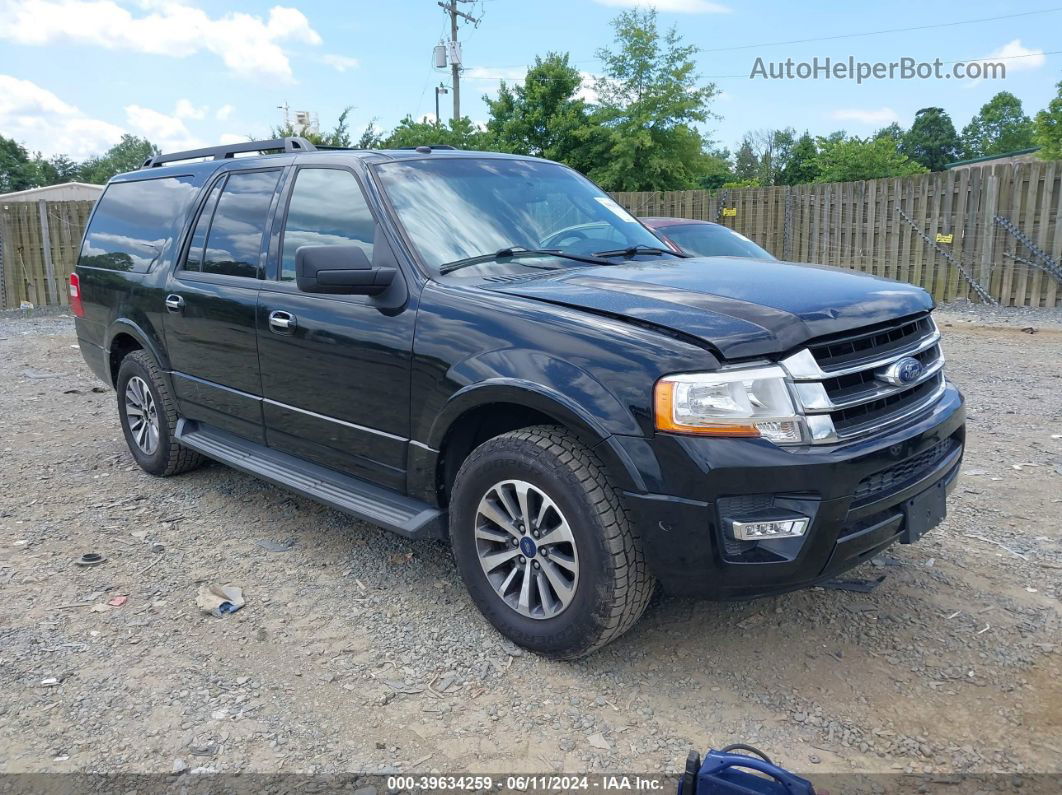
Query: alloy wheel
[142, 415]
[526, 549]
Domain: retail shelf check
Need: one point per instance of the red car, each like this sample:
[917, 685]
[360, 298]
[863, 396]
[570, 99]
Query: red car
[704, 238]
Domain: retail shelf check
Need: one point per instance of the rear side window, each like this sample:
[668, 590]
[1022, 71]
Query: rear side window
[194, 258]
[135, 223]
[234, 242]
[327, 208]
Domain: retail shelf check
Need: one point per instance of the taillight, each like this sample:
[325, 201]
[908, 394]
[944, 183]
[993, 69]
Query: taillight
[75, 296]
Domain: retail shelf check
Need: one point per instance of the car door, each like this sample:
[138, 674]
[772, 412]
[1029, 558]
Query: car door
[335, 368]
[211, 301]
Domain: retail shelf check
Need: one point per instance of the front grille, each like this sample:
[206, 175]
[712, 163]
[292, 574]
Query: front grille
[890, 480]
[874, 342]
[840, 384]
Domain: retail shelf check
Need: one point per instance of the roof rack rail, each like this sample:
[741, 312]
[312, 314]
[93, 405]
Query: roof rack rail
[289, 144]
[430, 147]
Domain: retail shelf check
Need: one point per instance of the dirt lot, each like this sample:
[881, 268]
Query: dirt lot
[359, 651]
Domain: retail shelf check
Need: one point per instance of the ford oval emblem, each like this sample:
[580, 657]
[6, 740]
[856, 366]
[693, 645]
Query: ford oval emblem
[902, 372]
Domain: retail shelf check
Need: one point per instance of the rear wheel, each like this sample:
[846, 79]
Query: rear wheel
[148, 414]
[545, 547]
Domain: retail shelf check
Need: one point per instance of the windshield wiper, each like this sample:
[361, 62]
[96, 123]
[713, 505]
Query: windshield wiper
[633, 251]
[517, 251]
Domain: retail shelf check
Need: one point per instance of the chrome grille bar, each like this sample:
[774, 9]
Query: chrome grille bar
[832, 408]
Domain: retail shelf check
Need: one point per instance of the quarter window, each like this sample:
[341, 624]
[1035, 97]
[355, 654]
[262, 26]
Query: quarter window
[234, 243]
[193, 261]
[327, 208]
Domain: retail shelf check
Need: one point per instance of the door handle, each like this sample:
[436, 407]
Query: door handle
[174, 302]
[282, 322]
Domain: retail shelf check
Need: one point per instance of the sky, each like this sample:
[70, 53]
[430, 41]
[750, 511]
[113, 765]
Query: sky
[76, 74]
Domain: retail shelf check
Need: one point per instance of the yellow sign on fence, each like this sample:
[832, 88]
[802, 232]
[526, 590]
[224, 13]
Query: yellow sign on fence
[945, 238]
[730, 212]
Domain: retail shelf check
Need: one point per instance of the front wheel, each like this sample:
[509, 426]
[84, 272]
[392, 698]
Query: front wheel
[545, 547]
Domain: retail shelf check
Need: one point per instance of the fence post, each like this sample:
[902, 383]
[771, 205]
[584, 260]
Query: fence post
[46, 249]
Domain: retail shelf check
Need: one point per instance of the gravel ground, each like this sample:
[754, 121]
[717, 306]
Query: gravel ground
[359, 651]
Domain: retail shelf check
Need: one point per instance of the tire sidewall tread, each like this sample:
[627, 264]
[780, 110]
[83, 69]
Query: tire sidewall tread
[614, 583]
[170, 458]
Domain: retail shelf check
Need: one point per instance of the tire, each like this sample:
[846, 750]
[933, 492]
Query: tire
[610, 585]
[142, 392]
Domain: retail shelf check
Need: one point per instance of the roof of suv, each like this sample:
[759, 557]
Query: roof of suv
[195, 161]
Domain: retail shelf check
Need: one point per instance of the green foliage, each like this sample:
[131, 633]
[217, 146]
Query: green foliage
[847, 159]
[1047, 133]
[893, 131]
[746, 162]
[932, 140]
[801, 166]
[461, 133]
[16, 169]
[339, 135]
[370, 138]
[649, 103]
[716, 171]
[542, 116]
[128, 154]
[999, 127]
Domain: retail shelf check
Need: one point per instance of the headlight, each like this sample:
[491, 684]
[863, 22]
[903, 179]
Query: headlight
[752, 402]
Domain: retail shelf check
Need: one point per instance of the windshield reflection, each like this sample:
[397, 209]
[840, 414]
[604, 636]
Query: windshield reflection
[453, 208]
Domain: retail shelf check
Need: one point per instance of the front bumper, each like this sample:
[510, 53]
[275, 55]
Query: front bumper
[854, 493]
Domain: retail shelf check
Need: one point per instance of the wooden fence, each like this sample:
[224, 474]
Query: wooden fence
[39, 244]
[859, 225]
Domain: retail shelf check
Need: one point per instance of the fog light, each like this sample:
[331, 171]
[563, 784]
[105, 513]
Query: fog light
[763, 529]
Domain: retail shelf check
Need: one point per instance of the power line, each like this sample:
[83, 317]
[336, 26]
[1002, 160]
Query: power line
[882, 32]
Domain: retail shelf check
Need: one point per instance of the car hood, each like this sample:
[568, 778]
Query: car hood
[741, 307]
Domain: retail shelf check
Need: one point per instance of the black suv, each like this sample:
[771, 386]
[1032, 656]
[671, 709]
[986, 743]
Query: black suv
[487, 348]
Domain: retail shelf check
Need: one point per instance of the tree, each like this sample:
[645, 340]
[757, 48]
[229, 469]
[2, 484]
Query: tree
[1047, 131]
[649, 104]
[371, 138]
[128, 154]
[847, 159]
[801, 167]
[460, 133]
[544, 116]
[339, 136]
[16, 170]
[54, 170]
[746, 162]
[999, 127]
[932, 140]
[716, 171]
[893, 131]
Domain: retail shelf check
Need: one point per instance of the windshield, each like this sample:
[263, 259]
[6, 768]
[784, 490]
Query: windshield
[711, 240]
[456, 208]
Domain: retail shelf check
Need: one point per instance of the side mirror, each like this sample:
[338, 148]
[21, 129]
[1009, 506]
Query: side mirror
[339, 270]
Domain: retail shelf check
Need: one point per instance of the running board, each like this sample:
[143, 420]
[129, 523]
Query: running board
[354, 496]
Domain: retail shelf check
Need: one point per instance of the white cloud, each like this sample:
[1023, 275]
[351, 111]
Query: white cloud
[1014, 56]
[186, 110]
[586, 91]
[674, 6]
[42, 122]
[510, 74]
[340, 63]
[248, 45]
[224, 112]
[167, 132]
[870, 116]
[232, 138]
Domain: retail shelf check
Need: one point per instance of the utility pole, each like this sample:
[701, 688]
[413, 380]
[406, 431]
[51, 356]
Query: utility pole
[439, 89]
[450, 7]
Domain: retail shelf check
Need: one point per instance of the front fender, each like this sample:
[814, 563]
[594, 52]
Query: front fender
[539, 381]
[554, 387]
